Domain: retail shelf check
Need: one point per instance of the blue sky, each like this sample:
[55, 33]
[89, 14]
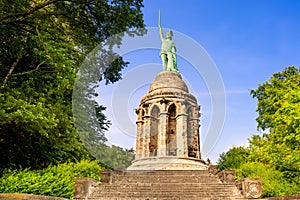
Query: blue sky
[248, 40]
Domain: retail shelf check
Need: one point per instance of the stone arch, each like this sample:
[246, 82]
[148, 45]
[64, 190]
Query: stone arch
[154, 124]
[174, 105]
[155, 105]
[171, 131]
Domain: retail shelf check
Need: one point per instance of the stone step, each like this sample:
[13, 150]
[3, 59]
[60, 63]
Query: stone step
[167, 186]
[171, 191]
[166, 172]
[167, 198]
[151, 196]
[165, 190]
[167, 180]
[167, 175]
[159, 185]
[201, 176]
[162, 194]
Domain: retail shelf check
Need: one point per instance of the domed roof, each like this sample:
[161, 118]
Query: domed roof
[168, 80]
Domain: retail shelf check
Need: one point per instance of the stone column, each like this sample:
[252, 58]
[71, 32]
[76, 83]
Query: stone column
[163, 119]
[143, 139]
[197, 129]
[139, 140]
[198, 139]
[181, 126]
[146, 134]
[194, 136]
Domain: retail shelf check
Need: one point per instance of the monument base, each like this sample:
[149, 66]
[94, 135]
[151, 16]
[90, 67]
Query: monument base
[168, 163]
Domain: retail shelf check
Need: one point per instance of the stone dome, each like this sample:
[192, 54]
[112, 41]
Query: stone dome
[168, 80]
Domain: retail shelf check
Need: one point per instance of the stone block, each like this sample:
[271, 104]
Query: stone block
[227, 176]
[107, 176]
[84, 187]
[212, 169]
[251, 188]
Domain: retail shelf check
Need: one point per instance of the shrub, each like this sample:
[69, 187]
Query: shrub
[57, 181]
[273, 180]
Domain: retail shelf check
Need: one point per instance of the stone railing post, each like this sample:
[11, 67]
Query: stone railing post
[83, 188]
[227, 176]
[251, 188]
[107, 176]
[212, 169]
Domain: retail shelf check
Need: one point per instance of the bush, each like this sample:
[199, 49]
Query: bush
[273, 180]
[233, 158]
[57, 181]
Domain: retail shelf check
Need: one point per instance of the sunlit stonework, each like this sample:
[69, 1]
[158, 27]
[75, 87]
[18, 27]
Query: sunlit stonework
[168, 126]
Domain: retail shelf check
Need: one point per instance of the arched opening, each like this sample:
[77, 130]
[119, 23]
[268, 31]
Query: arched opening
[143, 113]
[171, 132]
[154, 122]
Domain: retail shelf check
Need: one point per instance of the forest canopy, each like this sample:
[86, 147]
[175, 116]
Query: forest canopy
[43, 45]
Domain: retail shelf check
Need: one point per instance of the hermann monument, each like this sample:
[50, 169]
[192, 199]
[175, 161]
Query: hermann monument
[168, 120]
[168, 161]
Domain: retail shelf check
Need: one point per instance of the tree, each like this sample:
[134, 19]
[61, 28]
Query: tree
[273, 156]
[279, 114]
[233, 158]
[43, 45]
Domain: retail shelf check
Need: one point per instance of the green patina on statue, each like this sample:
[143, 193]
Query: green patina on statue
[168, 50]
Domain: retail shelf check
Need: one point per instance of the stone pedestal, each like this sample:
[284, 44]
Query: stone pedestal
[168, 163]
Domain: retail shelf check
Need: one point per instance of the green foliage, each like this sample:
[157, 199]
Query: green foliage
[279, 113]
[55, 181]
[35, 135]
[233, 158]
[43, 45]
[275, 155]
[113, 156]
[274, 183]
[279, 97]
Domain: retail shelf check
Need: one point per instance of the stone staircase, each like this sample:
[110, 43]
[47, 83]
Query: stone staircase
[165, 184]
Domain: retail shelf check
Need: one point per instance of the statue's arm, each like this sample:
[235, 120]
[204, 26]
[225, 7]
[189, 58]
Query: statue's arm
[161, 32]
[159, 26]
